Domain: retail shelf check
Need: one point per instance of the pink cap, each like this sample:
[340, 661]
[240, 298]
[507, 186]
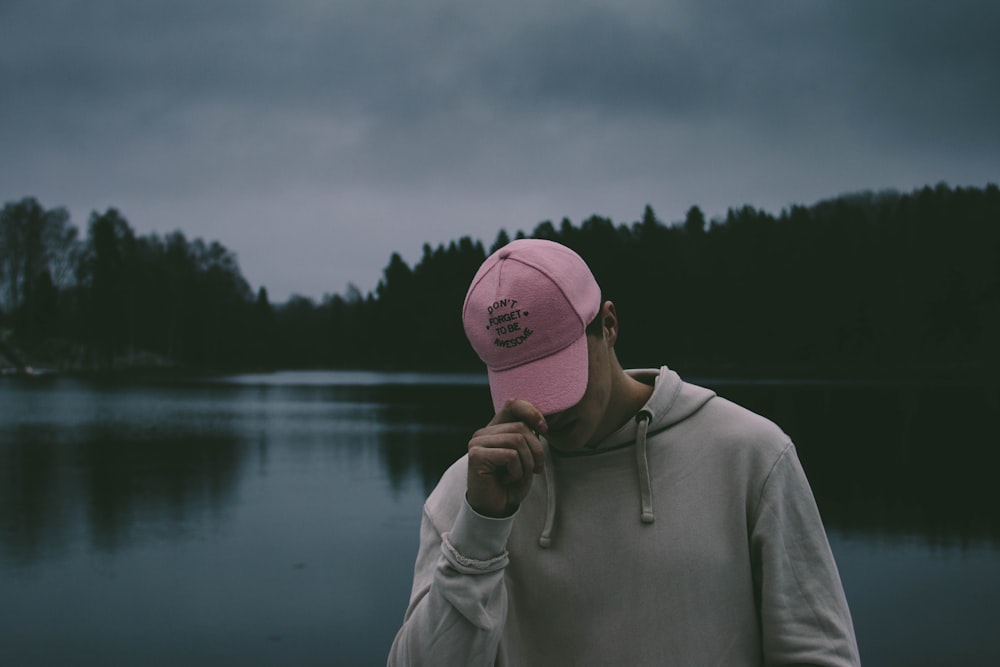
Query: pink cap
[526, 315]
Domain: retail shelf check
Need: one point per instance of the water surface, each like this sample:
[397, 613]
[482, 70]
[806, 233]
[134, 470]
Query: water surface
[272, 519]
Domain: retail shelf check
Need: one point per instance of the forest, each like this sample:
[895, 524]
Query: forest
[872, 284]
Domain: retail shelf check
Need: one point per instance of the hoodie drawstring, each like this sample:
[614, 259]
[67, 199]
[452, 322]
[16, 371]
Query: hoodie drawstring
[642, 462]
[545, 539]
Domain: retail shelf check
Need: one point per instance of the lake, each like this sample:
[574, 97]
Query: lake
[272, 519]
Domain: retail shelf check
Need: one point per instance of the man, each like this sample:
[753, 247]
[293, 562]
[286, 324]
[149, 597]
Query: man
[611, 517]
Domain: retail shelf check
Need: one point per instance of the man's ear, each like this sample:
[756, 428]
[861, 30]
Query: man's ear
[609, 322]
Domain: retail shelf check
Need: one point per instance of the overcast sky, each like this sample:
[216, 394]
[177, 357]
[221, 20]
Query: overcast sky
[315, 137]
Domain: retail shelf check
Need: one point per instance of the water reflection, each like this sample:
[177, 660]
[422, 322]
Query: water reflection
[128, 462]
[114, 464]
[114, 488]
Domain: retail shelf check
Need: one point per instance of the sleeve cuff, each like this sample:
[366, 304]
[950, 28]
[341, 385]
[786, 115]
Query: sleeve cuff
[478, 537]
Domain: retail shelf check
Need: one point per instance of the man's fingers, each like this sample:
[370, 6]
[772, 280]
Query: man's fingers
[503, 457]
[513, 435]
[504, 464]
[515, 410]
[512, 450]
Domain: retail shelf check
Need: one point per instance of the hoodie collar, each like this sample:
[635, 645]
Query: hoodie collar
[667, 406]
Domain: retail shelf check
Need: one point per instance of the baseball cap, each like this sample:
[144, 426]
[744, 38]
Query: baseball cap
[526, 315]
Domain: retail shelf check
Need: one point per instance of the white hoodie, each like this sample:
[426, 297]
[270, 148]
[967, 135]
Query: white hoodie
[688, 537]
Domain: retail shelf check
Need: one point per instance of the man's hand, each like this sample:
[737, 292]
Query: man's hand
[503, 458]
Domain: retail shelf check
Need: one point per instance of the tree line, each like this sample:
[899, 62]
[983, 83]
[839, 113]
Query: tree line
[863, 284]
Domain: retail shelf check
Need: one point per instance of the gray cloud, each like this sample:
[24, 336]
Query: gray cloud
[341, 131]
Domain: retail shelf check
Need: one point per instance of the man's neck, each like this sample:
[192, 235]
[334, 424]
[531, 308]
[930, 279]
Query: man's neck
[628, 395]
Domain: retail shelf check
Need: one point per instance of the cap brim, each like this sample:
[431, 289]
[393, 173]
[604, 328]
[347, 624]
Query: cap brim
[552, 384]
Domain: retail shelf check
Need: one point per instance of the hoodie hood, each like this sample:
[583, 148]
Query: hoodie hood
[671, 402]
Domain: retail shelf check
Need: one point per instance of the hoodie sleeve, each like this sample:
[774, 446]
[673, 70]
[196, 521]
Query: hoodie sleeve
[458, 604]
[803, 611]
